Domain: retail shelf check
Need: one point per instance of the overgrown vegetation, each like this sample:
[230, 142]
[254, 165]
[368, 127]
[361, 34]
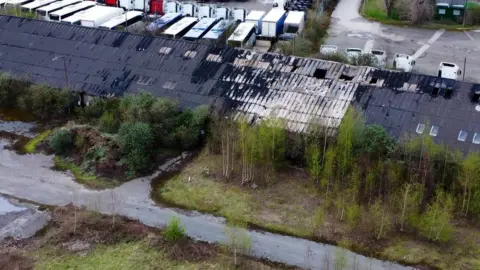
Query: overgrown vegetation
[17, 12]
[121, 138]
[367, 183]
[44, 102]
[365, 59]
[398, 11]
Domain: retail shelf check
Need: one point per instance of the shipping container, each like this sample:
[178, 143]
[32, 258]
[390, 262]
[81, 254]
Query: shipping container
[180, 28]
[256, 16]
[244, 36]
[130, 20]
[294, 23]
[33, 6]
[205, 11]
[47, 10]
[272, 23]
[99, 15]
[200, 29]
[69, 11]
[163, 22]
[217, 35]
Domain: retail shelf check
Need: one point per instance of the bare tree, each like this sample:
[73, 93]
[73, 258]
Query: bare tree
[112, 195]
[239, 242]
[415, 11]
[389, 5]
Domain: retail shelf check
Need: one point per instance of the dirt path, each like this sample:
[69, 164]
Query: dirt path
[30, 177]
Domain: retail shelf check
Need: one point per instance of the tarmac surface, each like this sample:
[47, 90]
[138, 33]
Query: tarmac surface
[430, 47]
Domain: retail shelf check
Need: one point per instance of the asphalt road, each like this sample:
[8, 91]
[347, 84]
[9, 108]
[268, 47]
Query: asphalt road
[30, 177]
[430, 47]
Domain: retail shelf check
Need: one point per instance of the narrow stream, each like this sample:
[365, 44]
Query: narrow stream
[30, 177]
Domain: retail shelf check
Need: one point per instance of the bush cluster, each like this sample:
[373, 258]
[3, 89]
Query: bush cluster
[62, 141]
[146, 124]
[42, 101]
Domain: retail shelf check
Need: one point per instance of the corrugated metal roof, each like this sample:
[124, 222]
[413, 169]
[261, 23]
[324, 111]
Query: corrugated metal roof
[402, 101]
[255, 85]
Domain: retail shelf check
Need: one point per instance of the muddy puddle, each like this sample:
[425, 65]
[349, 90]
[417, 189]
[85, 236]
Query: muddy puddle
[20, 220]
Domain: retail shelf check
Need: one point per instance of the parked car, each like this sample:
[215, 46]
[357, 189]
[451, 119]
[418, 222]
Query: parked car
[380, 56]
[328, 49]
[403, 62]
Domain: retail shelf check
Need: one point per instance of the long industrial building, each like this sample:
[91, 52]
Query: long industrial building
[246, 83]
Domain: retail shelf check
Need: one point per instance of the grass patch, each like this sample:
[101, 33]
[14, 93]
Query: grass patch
[88, 179]
[134, 255]
[452, 256]
[285, 207]
[289, 206]
[374, 10]
[31, 145]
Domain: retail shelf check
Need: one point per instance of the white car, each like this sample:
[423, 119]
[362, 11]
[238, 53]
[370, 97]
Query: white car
[380, 56]
[353, 52]
[403, 62]
[328, 49]
[449, 71]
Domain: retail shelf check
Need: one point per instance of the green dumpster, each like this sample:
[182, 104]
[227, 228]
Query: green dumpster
[443, 9]
[458, 10]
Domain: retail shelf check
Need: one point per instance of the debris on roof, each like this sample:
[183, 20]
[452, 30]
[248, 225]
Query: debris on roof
[249, 84]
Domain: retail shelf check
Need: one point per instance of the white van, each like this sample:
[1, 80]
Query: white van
[403, 62]
[380, 57]
[449, 71]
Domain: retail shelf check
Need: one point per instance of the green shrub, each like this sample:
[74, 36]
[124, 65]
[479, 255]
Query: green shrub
[46, 102]
[62, 141]
[136, 141]
[364, 60]
[174, 230]
[335, 57]
[109, 122]
[6, 91]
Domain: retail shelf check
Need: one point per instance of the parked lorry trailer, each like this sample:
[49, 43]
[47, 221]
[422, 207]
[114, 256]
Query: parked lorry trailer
[200, 29]
[99, 15]
[255, 17]
[244, 36]
[70, 11]
[33, 6]
[272, 23]
[180, 28]
[163, 22]
[45, 11]
[218, 33]
[294, 23]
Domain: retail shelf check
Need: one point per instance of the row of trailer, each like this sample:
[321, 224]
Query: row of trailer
[276, 23]
[85, 13]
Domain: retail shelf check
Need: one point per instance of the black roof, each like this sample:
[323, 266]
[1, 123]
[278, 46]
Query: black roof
[252, 84]
[402, 101]
[104, 62]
